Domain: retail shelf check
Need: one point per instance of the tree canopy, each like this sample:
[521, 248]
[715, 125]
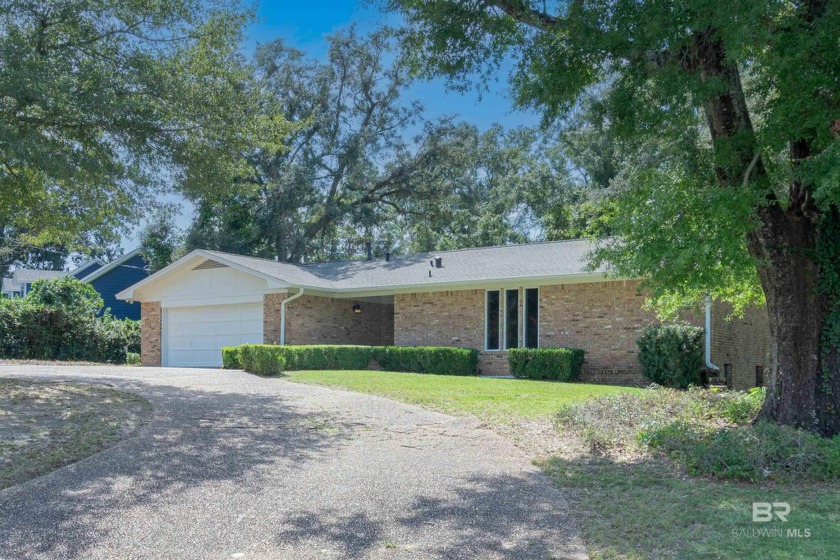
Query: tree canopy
[103, 104]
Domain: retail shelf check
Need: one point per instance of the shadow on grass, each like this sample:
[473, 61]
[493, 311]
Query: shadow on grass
[194, 437]
[645, 509]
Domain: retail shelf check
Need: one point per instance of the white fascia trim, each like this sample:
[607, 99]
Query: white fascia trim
[228, 300]
[86, 264]
[128, 293]
[494, 283]
[110, 266]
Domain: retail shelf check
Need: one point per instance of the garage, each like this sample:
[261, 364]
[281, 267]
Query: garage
[194, 336]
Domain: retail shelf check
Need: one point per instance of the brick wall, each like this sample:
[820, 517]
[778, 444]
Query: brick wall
[150, 333]
[322, 320]
[743, 342]
[271, 317]
[602, 318]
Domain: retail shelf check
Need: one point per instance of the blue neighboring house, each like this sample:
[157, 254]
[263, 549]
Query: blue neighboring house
[115, 277]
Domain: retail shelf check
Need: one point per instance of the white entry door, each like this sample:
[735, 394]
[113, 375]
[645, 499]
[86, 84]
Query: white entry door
[195, 336]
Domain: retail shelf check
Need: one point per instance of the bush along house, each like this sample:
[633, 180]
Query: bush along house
[492, 299]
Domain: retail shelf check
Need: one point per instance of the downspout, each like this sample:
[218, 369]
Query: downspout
[283, 316]
[709, 363]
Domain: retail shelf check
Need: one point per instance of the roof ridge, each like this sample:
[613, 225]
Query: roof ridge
[445, 251]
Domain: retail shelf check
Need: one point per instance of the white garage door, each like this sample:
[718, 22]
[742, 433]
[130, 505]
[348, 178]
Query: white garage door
[195, 336]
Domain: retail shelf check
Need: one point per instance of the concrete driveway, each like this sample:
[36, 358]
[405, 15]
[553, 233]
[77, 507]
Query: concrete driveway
[237, 466]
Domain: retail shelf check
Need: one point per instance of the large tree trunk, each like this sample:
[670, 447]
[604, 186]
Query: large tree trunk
[804, 382]
[803, 388]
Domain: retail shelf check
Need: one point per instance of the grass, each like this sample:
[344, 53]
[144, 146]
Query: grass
[644, 508]
[489, 399]
[629, 503]
[45, 426]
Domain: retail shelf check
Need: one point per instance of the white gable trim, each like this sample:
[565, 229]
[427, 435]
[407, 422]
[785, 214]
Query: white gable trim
[110, 266]
[189, 260]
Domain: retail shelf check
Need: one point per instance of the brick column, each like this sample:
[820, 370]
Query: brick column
[150, 331]
[271, 317]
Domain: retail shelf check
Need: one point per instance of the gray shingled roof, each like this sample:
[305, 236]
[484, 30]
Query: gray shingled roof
[26, 276]
[511, 262]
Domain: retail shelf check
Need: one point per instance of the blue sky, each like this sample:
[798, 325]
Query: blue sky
[305, 25]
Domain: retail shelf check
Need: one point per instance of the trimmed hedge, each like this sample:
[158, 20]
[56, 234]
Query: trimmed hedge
[264, 359]
[326, 356]
[672, 355]
[230, 357]
[414, 359]
[557, 364]
[427, 359]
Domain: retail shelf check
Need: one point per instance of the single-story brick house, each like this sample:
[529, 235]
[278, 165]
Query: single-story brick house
[490, 299]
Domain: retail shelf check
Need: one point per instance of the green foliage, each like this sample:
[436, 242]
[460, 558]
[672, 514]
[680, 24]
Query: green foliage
[351, 175]
[161, 239]
[672, 355]
[613, 423]
[688, 194]
[99, 101]
[417, 359]
[427, 359]
[66, 293]
[31, 329]
[231, 358]
[707, 432]
[132, 358]
[264, 359]
[327, 356]
[556, 364]
[749, 453]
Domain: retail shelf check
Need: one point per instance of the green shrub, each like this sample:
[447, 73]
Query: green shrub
[132, 358]
[326, 356]
[558, 364]
[264, 359]
[30, 328]
[230, 357]
[427, 359]
[672, 355]
[416, 359]
[749, 453]
[67, 293]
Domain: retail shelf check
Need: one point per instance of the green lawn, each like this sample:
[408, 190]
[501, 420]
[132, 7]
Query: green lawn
[645, 508]
[488, 399]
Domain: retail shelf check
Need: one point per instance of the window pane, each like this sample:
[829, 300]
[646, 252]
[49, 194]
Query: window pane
[511, 318]
[492, 320]
[532, 317]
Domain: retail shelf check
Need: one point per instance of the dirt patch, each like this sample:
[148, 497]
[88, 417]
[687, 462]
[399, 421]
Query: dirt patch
[44, 426]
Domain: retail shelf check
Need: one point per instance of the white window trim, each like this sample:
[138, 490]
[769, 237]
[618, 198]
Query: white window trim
[486, 323]
[525, 322]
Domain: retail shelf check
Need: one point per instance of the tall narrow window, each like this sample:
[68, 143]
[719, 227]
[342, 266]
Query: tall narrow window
[532, 318]
[759, 376]
[492, 320]
[511, 319]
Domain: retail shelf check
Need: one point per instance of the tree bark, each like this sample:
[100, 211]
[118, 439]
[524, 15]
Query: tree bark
[803, 388]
